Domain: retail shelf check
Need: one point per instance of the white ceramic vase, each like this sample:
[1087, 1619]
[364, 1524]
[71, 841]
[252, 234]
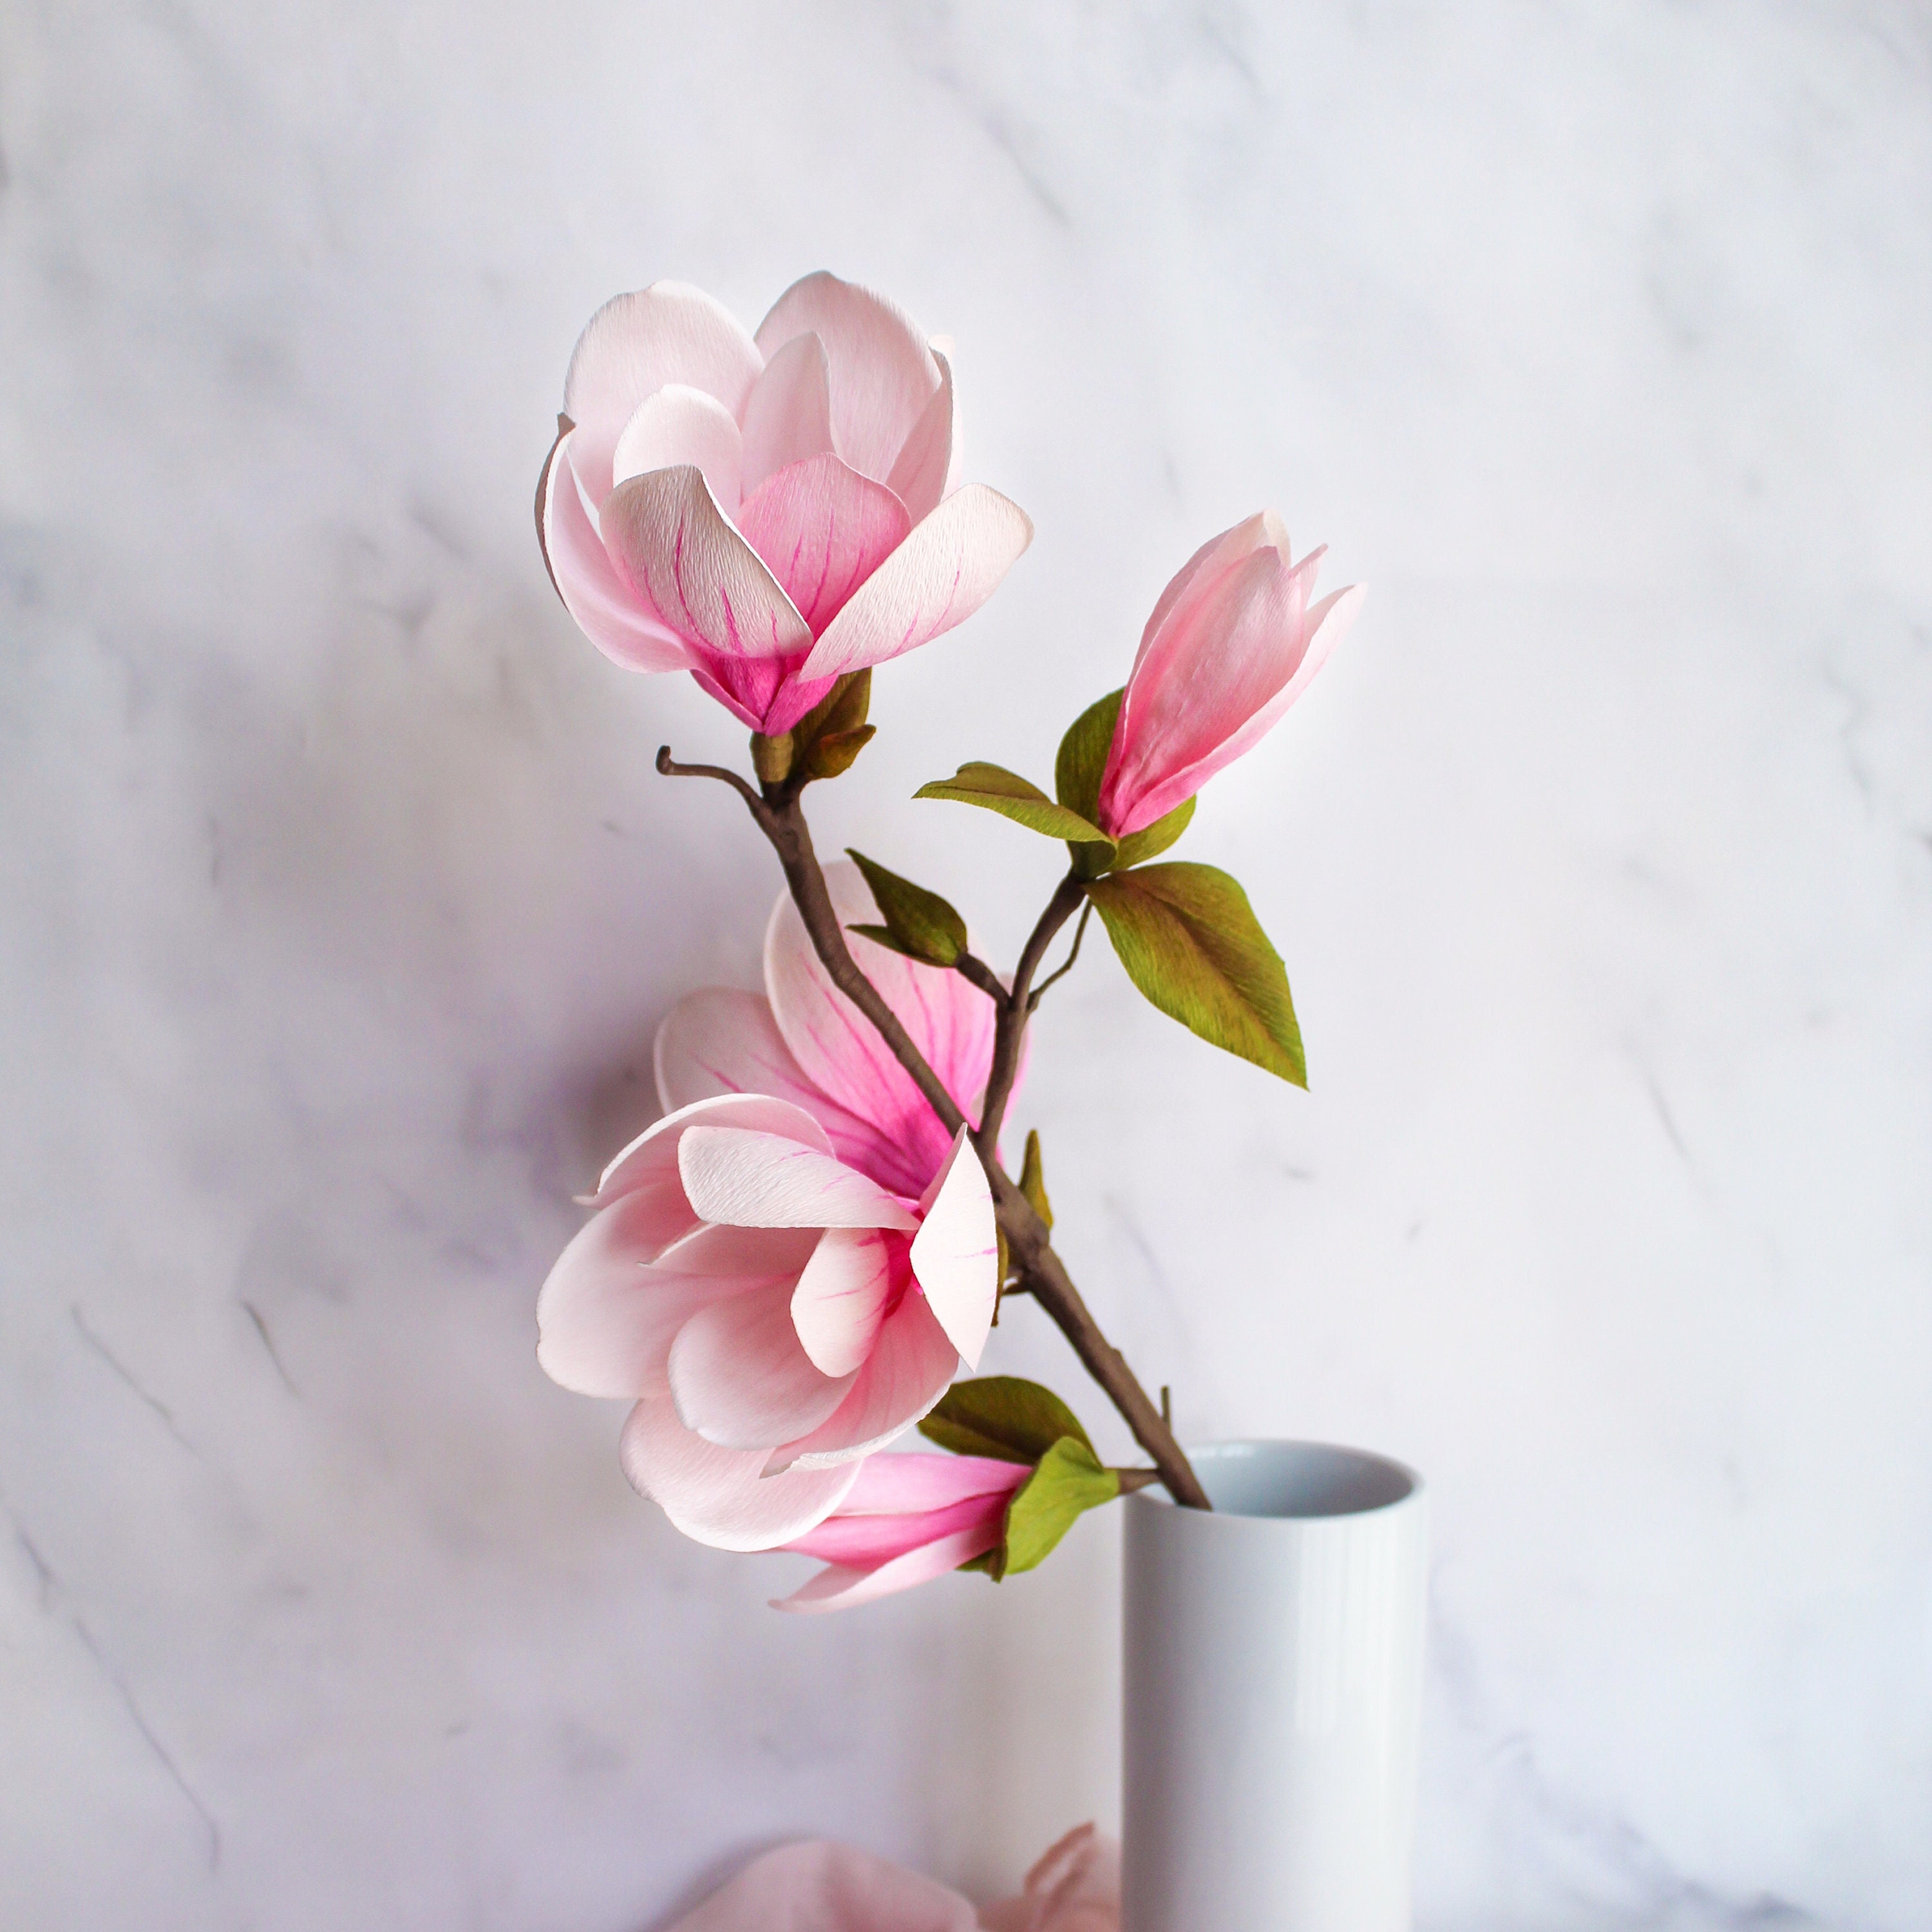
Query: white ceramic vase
[1273, 1687]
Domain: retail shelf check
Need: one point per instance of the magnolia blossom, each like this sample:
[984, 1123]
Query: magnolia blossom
[1233, 642]
[905, 1520]
[766, 511]
[786, 1271]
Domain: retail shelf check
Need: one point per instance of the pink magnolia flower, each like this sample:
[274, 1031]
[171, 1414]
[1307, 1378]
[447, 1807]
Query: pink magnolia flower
[1233, 642]
[785, 1272]
[765, 511]
[905, 1520]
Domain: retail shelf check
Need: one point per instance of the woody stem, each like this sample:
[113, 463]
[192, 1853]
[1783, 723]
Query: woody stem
[781, 818]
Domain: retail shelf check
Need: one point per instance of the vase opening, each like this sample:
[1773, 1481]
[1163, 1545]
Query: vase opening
[1296, 1480]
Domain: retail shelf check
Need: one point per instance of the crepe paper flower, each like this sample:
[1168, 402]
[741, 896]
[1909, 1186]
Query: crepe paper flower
[905, 1520]
[765, 511]
[1233, 642]
[785, 1271]
[803, 1040]
[777, 1314]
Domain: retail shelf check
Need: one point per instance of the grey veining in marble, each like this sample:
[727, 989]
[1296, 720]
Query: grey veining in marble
[338, 902]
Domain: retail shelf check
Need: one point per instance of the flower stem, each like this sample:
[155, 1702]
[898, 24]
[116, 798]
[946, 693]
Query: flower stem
[781, 818]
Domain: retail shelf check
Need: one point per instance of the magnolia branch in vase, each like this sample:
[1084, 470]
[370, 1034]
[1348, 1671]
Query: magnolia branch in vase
[785, 1274]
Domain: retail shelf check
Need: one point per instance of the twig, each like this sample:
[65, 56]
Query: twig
[1009, 1031]
[1065, 966]
[779, 817]
[982, 976]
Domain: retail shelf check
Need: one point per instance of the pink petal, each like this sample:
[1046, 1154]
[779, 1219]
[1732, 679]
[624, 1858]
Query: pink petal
[606, 609]
[823, 530]
[740, 1379]
[1234, 654]
[911, 1366]
[677, 551]
[649, 1164]
[865, 1541]
[956, 1253]
[1075, 1886]
[722, 1497]
[894, 1485]
[840, 1052]
[841, 1299]
[752, 1179]
[925, 465]
[681, 425]
[607, 1317]
[839, 1588]
[1325, 624]
[634, 344]
[720, 1041]
[788, 416]
[821, 1887]
[752, 1254]
[882, 373]
[1264, 530]
[952, 562]
[764, 693]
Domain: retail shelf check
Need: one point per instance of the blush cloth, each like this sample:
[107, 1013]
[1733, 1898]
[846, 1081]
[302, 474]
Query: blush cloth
[820, 1886]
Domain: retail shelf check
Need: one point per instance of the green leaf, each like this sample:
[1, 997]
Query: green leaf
[843, 708]
[833, 754]
[1077, 773]
[1070, 1481]
[1139, 847]
[1191, 943]
[919, 923]
[1001, 1416]
[1082, 761]
[825, 740]
[995, 789]
[1032, 1180]
[772, 757]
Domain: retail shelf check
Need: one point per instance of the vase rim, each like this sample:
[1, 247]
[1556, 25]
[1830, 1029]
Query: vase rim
[1265, 1479]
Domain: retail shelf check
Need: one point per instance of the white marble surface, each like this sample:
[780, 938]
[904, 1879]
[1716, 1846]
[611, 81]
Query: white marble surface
[339, 902]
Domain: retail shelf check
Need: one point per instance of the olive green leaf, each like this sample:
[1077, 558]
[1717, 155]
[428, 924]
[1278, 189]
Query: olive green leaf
[995, 789]
[918, 923]
[1191, 943]
[1070, 1480]
[1082, 760]
[772, 756]
[1005, 1416]
[1032, 1182]
[1137, 847]
[825, 740]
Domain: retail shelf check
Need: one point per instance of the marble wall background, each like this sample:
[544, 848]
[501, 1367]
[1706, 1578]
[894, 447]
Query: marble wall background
[339, 903]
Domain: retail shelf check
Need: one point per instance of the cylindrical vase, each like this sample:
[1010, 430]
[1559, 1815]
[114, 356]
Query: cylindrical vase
[1273, 1694]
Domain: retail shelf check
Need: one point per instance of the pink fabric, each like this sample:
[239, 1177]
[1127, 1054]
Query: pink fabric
[721, 504]
[823, 1887]
[1232, 643]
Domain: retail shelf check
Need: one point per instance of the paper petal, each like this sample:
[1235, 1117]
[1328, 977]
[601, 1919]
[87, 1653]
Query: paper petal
[755, 1179]
[681, 556]
[739, 1379]
[634, 344]
[950, 564]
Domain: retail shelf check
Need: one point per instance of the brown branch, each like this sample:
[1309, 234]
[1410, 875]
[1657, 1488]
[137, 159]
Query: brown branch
[782, 821]
[1009, 1031]
[1065, 966]
[981, 976]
